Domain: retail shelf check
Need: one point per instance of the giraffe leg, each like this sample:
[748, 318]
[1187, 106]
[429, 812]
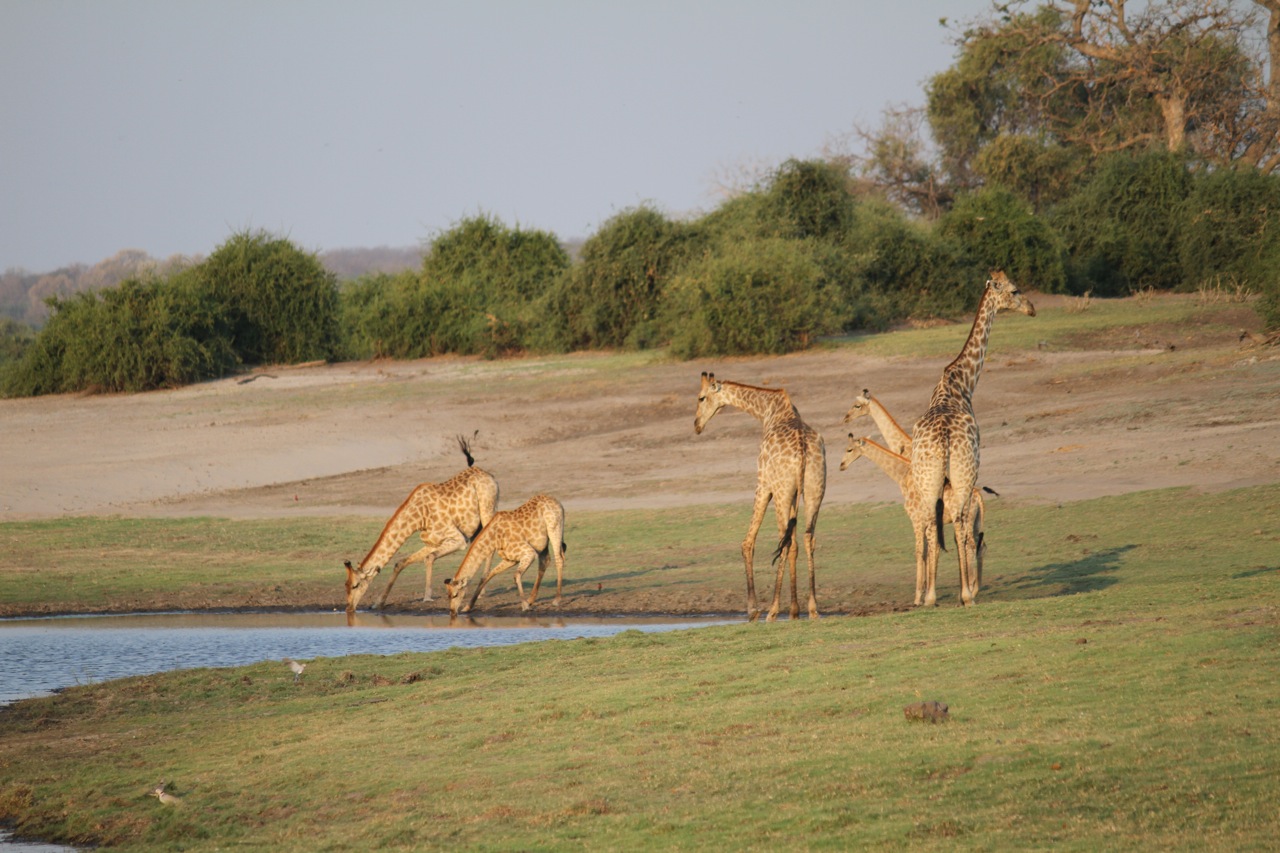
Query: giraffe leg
[523, 566]
[793, 551]
[922, 545]
[809, 528]
[420, 554]
[502, 566]
[558, 545]
[786, 528]
[749, 550]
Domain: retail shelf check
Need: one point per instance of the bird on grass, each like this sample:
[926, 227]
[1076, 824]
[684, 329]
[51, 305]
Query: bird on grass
[167, 799]
[296, 667]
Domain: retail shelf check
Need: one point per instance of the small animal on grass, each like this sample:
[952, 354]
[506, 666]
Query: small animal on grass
[447, 515]
[297, 668]
[168, 799]
[927, 712]
[533, 529]
[791, 468]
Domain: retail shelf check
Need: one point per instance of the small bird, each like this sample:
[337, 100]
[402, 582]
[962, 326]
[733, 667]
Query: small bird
[296, 667]
[167, 799]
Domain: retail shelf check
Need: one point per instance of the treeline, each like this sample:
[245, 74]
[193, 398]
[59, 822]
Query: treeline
[806, 253]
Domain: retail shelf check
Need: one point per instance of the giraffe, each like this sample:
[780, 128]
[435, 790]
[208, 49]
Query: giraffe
[447, 515]
[792, 467]
[533, 529]
[897, 438]
[972, 540]
[945, 441]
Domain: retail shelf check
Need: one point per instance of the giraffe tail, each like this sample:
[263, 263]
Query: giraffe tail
[937, 518]
[785, 542]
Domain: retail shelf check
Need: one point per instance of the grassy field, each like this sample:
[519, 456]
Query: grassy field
[1115, 688]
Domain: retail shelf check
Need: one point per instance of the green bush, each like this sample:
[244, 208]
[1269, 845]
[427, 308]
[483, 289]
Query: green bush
[1231, 229]
[1122, 228]
[613, 295]
[280, 304]
[764, 296]
[137, 336]
[1000, 231]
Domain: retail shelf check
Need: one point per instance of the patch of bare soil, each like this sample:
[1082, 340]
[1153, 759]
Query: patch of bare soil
[354, 438]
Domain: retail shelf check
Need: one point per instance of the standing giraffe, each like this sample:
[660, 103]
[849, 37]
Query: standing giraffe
[792, 467]
[897, 438]
[533, 529]
[945, 442]
[971, 541]
[447, 515]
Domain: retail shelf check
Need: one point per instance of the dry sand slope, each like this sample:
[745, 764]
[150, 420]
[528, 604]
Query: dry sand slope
[611, 433]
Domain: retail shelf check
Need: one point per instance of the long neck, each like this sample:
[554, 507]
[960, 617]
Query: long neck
[398, 529]
[897, 467]
[478, 555]
[765, 404]
[892, 431]
[960, 377]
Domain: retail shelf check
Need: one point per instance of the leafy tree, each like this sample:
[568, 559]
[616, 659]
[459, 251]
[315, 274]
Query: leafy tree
[613, 295]
[279, 303]
[1122, 230]
[1231, 228]
[1000, 231]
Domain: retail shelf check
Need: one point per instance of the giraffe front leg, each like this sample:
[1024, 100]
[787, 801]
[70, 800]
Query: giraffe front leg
[749, 550]
[786, 532]
[525, 562]
[502, 566]
[412, 558]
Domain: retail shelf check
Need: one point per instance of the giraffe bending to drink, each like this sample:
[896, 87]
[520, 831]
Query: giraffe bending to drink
[971, 541]
[533, 529]
[447, 515]
[792, 468]
[945, 441]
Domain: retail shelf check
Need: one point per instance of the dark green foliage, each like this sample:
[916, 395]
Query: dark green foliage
[279, 302]
[1231, 229]
[765, 296]
[810, 198]
[1000, 231]
[1122, 229]
[613, 295]
[137, 336]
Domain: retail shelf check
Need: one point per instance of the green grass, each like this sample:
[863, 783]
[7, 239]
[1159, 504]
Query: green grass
[1115, 688]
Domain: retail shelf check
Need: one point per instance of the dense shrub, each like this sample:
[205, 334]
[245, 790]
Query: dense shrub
[280, 304]
[137, 336]
[1122, 229]
[613, 295]
[764, 296]
[809, 199]
[1231, 229]
[1000, 231]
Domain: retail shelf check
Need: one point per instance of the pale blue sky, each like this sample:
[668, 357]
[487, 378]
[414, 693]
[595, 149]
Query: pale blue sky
[168, 126]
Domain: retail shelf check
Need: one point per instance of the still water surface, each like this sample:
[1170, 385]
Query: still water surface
[38, 656]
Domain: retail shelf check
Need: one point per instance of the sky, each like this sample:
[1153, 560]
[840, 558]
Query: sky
[170, 126]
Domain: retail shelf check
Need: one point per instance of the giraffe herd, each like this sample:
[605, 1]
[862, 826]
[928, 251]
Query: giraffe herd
[935, 466]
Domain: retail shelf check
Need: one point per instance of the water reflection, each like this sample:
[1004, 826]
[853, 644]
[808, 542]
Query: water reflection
[43, 655]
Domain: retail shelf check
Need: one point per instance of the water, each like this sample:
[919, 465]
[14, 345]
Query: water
[39, 656]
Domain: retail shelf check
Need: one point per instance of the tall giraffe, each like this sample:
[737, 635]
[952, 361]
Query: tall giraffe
[533, 529]
[897, 438]
[970, 540]
[945, 441]
[447, 515]
[792, 467]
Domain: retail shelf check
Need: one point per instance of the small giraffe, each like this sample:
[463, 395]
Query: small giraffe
[945, 441]
[533, 529]
[447, 515]
[792, 467]
[897, 438]
[972, 540]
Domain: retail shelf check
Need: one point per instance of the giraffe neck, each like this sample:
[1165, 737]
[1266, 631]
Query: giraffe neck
[960, 377]
[395, 533]
[767, 405]
[897, 467]
[479, 554]
[889, 428]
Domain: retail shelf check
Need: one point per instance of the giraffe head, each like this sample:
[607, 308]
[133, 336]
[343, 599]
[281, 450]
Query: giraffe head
[1007, 295]
[357, 583]
[454, 588]
[853, 452]
[709, 401]
[861, 408]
